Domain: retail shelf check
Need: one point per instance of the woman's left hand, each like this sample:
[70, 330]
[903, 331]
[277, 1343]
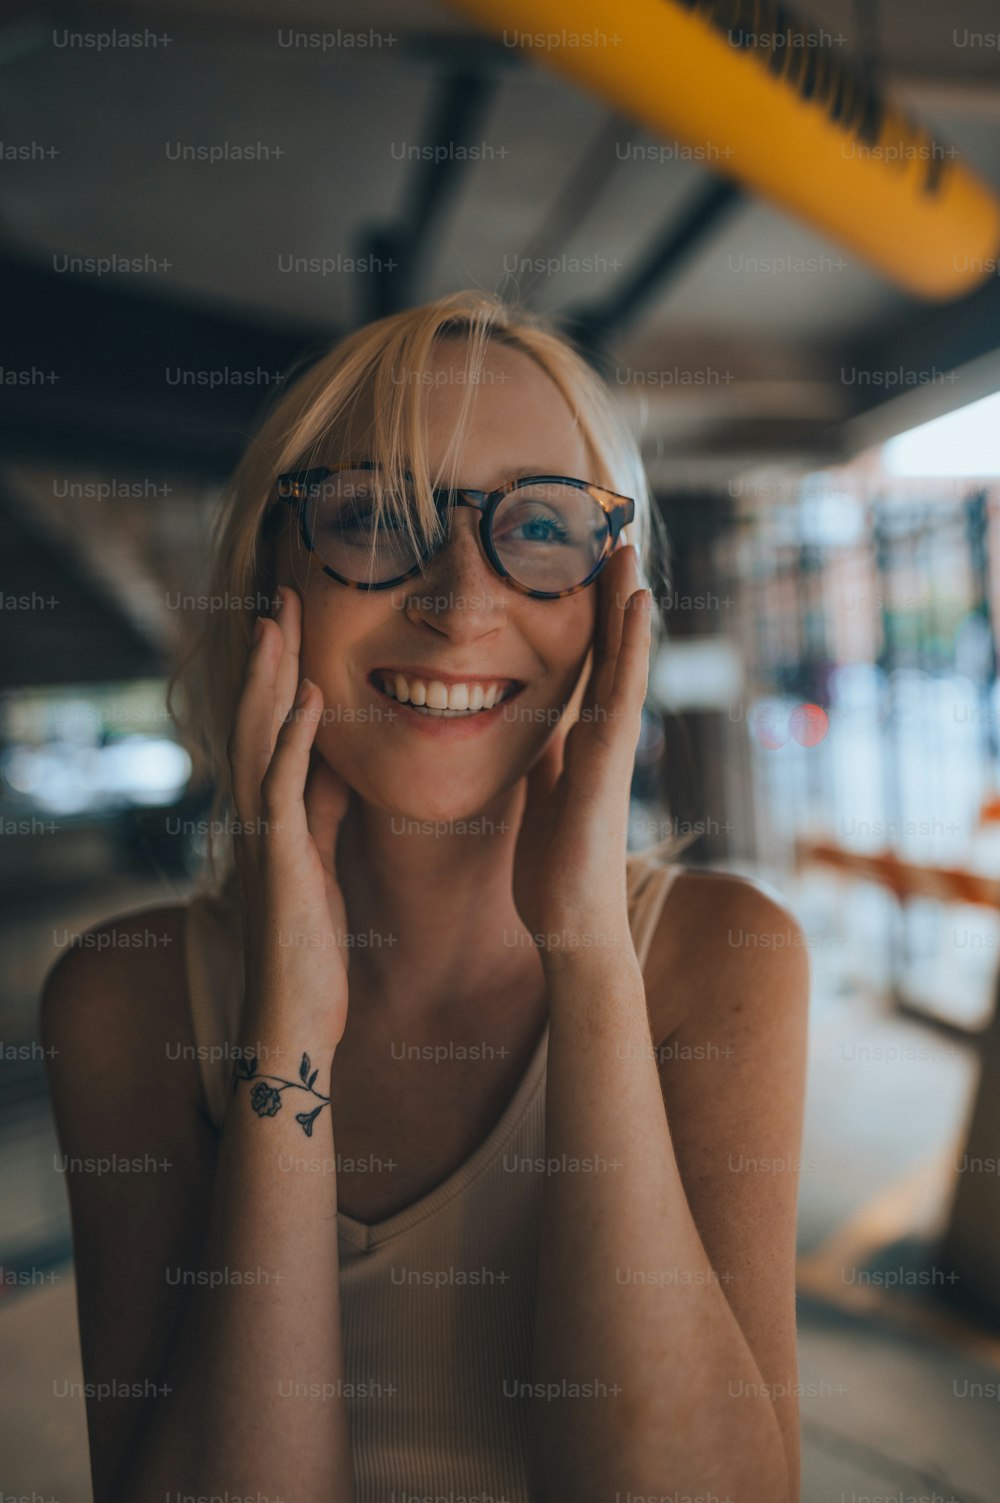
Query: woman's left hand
[570, 858]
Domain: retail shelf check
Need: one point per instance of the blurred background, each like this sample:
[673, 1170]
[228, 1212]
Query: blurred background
[183, 216]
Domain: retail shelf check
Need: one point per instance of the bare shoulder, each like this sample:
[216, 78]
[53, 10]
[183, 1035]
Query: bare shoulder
[114, 1005]
[139, 1152]
[142, 949]
[723, 943]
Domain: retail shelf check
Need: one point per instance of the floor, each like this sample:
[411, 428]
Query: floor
[887, 1355]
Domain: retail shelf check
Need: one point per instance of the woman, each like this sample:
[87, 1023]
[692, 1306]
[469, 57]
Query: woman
[467, 1159]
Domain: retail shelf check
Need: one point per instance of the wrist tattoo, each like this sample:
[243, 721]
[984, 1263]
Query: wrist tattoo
[266, 1098]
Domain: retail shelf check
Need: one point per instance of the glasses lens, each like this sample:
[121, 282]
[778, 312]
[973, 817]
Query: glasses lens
[550, 536]
[349, 535]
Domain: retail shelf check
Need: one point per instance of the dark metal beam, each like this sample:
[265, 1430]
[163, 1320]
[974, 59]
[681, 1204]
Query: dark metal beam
[595, 325]
[90, 374]
[818, 439]
[925, 340]
[578, 197]
[73, 631]
[398, 251]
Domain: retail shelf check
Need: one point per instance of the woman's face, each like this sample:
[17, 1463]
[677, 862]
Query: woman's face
[458, 624]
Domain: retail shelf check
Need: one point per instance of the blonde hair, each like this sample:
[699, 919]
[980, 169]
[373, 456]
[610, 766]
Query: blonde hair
[380, 375]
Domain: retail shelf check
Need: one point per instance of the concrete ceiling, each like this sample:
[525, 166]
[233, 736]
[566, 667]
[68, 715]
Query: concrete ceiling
[560, 179]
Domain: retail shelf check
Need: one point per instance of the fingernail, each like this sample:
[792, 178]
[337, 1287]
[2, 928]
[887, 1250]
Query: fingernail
[279, 600]
[303, 693]
[258, 627]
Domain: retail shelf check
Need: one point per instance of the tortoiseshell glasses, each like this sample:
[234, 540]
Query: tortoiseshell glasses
[547, 535]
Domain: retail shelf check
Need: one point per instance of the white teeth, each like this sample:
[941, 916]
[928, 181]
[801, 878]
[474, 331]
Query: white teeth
[435, 697]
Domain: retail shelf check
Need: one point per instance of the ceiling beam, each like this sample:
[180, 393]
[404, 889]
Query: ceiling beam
[400, 250]
[74, 631]
[930, 361]
[596, 325]
[93, 372]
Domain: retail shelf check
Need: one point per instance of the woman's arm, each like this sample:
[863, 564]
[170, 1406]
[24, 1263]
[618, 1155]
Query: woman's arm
[667, 1271]
[249, 1385]
[193, 1386]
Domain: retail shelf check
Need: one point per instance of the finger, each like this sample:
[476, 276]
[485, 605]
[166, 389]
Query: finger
[283, 786]
[250, 740]
[632, 666]
[601, 677]
[602, 628]
[289, 618]
[621, 579]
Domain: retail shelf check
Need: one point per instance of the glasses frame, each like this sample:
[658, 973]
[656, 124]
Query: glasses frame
[295, 487]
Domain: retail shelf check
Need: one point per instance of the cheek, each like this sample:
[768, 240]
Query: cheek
[581, 635]
[330, 625]
[563, 643]
[318, 655]
[569, 639]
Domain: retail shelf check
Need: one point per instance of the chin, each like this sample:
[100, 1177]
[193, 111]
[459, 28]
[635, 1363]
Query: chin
[440, 807]
[433, 797]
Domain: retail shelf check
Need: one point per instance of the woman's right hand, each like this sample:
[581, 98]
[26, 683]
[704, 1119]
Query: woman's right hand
[289, 804]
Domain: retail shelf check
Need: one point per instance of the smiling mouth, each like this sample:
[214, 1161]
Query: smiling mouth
[433, 697]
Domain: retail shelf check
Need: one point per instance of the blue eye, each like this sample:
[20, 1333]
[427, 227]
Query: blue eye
[543, 528]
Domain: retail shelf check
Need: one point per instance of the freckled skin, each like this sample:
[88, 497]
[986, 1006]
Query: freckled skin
[473, 621]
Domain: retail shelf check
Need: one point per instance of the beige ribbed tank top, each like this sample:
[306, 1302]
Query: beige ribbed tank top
[438, 1299]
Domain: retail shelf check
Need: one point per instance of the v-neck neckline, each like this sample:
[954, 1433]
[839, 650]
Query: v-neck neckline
[367, 1235]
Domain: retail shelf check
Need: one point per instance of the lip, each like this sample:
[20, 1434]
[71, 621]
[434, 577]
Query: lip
[459, 726]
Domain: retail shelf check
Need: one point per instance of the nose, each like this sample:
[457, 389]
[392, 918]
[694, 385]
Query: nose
[460, 597]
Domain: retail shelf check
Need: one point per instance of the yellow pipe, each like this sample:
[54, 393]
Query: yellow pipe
[710, 74]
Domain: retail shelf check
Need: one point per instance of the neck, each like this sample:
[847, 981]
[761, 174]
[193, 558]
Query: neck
[431, 908]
